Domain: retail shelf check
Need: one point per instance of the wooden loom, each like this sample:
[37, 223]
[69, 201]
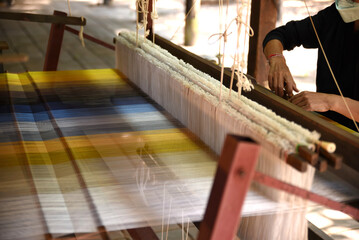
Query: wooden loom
[119, 144]
[209, 69]
[349, 142]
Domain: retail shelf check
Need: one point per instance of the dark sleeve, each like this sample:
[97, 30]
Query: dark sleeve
[297, 33]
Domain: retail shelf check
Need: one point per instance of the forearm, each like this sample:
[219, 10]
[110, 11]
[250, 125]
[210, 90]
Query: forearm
[338, 105]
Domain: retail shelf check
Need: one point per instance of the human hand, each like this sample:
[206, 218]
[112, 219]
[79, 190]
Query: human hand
[313, 101]
[280, 79]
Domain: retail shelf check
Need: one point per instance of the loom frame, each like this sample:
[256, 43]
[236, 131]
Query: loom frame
[235, 171]
[58, 21]
[347, 143]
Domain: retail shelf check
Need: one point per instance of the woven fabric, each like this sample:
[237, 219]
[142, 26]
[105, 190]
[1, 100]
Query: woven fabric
[81, 150]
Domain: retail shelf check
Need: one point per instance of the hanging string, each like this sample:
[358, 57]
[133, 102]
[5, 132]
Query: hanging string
[237, 67]
[142, 7]
[137, 23]
[194, 4]
[187, 228]
[220, 8]
[169, 217]
[224, 48]
[68, 5]
[163, 211]
[330, 69]
[154, 16]
[81, 32]
[239, 64]
[182, 227]
[243, 81]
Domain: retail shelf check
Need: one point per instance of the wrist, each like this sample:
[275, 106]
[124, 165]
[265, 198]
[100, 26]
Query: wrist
[274, 55]
[334, 102]
[276, 58]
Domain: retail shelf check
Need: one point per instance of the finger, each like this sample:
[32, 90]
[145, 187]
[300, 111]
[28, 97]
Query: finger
[270, 81]
[290, 84]
[300, 100]
[280, 85]
[295, 87]
[301, 103]
[289, 88]
[296, 98]
[274, 83]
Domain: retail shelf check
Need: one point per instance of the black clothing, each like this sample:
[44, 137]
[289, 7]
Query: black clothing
[340, 43]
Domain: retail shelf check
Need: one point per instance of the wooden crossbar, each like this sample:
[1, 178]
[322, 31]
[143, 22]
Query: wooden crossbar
[42, 18]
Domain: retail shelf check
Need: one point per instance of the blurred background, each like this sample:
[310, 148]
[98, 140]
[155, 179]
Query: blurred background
[105, 18]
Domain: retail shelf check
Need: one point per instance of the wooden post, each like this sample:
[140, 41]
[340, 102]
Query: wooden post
[191, 28]
[54, 44]
[149, 26]
[107, 2]
[3, 46]
[263, 20]
[234, 174]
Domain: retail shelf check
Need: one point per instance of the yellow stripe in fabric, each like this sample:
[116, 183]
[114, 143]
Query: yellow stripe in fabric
[14, 81]
[104, 145]
[98, 76]
[9, 154]
[160, 141]
[36, 152]
[3, 77]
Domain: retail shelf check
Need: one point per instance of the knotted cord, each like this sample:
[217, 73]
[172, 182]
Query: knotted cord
[81, 32]
[238, 66]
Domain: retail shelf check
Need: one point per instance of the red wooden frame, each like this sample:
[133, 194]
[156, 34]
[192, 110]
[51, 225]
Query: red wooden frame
[54, 44]
[234, 174]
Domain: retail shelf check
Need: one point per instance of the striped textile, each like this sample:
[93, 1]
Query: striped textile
[83, 152]
[86, 155]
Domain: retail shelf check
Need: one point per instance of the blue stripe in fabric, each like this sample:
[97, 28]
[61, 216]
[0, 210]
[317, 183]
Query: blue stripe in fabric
[129, 101]
[83, 112]
[6, 117]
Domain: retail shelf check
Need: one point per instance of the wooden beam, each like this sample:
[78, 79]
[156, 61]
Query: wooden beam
[305, 194]
[11, 58]
[145, 233]
[3, 45]
[263, 20]
[91, 38]
[55, 19]
[231, 183]
[54, 44]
